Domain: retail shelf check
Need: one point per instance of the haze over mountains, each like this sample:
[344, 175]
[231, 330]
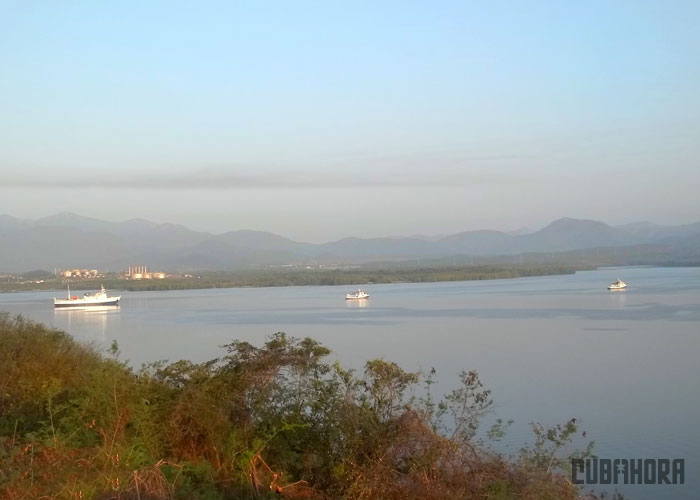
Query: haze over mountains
[68, 240]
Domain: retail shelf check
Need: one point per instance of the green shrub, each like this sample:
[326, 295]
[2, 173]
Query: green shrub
[277, 419]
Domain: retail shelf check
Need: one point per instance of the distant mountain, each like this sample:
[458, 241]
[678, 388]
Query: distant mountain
[138, 233]
[571, 234]
[246, 248]
[259, 240]
[36, 247]
[7, 222]
[359, 249]
[74, 221]
[646, 231]
[559, 236]
[481, 242]
[71, 241]
[637, 226]
[67, 240]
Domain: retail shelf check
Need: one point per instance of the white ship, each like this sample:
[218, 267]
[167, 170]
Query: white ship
[360, 294]
[617, 285]
[88, 300]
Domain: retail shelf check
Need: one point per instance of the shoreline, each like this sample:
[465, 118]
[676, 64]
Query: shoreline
[267, 278]
[355, 277]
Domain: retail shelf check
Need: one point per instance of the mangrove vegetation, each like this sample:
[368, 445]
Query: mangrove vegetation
[301, 277]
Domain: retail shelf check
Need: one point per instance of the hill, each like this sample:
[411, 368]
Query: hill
[69, 240]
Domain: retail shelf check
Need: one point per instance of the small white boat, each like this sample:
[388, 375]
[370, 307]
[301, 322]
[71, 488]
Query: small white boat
[360, 294]
[617, 285]
[88, 300]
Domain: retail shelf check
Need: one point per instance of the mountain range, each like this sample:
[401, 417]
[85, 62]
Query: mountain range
[68, 240]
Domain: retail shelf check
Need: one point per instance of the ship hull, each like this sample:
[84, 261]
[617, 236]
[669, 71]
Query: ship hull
[65, 304]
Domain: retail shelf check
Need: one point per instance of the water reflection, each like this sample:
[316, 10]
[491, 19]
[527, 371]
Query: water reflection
[353, 304]
[89, 323]
[618, 297]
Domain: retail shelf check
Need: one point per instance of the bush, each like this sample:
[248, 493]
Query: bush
[271, 420]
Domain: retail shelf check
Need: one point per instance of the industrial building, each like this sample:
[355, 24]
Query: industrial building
[80, 273]
[142, 273]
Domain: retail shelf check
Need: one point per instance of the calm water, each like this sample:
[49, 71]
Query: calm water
[627, 364]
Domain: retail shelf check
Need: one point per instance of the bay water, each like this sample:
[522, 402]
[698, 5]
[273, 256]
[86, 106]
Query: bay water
[626, 364]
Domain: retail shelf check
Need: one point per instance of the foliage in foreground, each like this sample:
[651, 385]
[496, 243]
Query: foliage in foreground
[270, 421]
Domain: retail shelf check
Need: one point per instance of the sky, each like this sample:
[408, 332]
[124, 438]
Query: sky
[320, 120]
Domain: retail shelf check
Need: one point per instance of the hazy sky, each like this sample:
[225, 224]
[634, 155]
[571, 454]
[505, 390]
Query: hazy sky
[318, 120]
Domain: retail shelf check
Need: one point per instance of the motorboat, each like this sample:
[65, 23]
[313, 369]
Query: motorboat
[358, 295]
[617, 285]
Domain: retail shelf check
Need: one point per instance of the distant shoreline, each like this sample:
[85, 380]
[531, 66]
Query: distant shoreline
[353, 277]
[275, 278]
